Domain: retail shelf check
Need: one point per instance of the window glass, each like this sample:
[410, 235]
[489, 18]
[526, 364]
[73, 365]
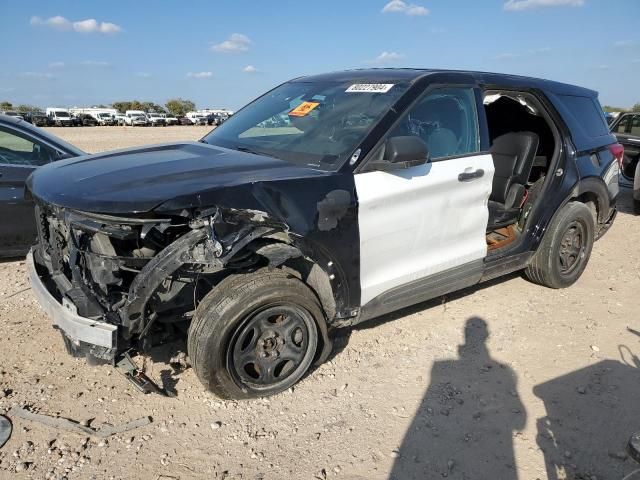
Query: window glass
[16, 149]
[588, 113]
[447, 121]
[635, 126]
[314, 123]
[622, 125]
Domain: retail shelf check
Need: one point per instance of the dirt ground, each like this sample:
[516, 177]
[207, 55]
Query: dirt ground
[507, 380]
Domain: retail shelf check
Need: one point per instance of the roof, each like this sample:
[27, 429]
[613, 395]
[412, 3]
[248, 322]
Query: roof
[391, 75]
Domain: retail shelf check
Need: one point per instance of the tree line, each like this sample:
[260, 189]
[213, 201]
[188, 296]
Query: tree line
[174, 106]
[609, 108]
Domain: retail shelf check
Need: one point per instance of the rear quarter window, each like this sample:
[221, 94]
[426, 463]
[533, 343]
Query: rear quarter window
[588, 113]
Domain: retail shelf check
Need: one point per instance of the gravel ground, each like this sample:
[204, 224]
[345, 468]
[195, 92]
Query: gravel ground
[503, 381]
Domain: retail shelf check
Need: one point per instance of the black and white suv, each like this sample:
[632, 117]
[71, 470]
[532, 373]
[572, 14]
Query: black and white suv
[626, 128]
[373, 190]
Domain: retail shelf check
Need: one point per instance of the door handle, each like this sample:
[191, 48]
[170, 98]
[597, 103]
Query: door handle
[468, 176]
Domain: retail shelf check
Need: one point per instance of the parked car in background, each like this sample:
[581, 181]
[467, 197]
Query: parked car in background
[626, 128]
[23, 148]
[104, 118]
[170, 119]
[184, 121]
[12, 113]
[86, 120]
[120, 119]
[59, 117]
[37, 118]
[383, 189]
[156, 119]
[136, 118]
[197, 118]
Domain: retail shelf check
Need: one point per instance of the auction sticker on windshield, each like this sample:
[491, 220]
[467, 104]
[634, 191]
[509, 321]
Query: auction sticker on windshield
[370, 88]
[303, 109]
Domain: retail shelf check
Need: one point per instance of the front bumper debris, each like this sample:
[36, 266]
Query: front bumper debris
[82, 334]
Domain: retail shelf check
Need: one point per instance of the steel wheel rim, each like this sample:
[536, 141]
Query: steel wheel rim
[270, 346]
[572, 248]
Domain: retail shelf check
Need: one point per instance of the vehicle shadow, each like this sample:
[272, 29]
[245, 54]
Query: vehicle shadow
[624, 202]
[591, 413]
[340, 337]
[465, 424]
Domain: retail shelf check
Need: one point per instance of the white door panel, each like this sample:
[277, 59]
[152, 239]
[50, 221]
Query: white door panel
[420, 221]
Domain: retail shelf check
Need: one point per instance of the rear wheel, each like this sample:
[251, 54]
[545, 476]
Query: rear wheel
[565, 249]
[254, 334]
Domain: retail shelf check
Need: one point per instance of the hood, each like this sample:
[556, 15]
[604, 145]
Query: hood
[138, 180]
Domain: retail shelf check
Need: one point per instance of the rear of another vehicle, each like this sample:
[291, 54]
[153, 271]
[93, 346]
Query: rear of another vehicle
[627, 130]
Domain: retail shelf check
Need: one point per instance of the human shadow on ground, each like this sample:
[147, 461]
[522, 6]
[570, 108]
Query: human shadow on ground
[591, 413]
[464, 426]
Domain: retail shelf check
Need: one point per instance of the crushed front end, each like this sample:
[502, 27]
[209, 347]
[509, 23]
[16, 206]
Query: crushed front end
[110, 282]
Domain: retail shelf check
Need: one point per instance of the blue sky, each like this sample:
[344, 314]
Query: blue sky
[224, 53]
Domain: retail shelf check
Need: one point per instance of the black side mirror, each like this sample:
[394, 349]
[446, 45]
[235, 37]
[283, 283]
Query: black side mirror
[405, 152]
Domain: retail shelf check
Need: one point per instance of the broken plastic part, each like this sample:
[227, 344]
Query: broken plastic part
[137, 377]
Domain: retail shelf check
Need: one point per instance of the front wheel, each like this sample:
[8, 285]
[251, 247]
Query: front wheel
[254, 334]
[565, 249]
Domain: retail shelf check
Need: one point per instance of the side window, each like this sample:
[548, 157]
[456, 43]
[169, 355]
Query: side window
[622, 124]
[16, 149]
[635, 126]
[446, 119]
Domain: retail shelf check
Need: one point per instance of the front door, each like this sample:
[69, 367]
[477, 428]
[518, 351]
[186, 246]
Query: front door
[19, 156]
[428, 219]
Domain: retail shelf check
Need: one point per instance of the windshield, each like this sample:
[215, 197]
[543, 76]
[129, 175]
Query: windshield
[104, 115]
[61, 114]
[317, 124]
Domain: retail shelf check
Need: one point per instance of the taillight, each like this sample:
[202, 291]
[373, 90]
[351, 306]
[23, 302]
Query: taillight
[617, 151]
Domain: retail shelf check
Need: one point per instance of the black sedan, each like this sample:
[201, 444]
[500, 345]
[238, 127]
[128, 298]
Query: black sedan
[23, 148]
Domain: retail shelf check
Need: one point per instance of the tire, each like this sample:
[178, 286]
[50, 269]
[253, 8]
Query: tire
[565, 249]
[255, 334]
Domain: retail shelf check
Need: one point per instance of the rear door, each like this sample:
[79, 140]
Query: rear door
[426, 221]
[20, 154]
[627, 130]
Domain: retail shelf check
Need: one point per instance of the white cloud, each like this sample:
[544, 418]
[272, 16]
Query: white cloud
[519, 5]
[249, 69]
[199, 74]
[236, 43]
[400, 6]
[90, 25]
[624, 43]
[386, 58]
[56, 65]
[506, 56]
[143, 75]
[37, 75]
[95, 63]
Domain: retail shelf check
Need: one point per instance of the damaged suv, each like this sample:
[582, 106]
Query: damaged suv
[328, 201]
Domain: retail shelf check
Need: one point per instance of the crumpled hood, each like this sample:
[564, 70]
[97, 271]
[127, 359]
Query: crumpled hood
[139, 179]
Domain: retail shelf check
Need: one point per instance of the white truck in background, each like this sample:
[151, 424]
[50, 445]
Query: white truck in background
[135, 118]
[104, 116]
[197, 118]
[59, 117]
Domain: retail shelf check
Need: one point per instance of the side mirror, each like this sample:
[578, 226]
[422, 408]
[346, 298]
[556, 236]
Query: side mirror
[407, 151]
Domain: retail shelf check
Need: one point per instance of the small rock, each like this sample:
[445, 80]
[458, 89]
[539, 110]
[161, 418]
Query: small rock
[621, 455]
[22, 466]
[595, 348]
[582, 390]
[216, 425]
[450, 464]
[394, 454]
[337, 469]
[129, 440]
[86, 422]
[103, 443]
[146, 438]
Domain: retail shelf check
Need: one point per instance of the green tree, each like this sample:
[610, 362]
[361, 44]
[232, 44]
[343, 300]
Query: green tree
[636, 108]
[5, 105]
[179, 106]
[122, 106]
[24, 108]
[609, 109]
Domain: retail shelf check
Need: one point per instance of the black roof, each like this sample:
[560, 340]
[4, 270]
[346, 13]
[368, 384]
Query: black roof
[391, 75]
